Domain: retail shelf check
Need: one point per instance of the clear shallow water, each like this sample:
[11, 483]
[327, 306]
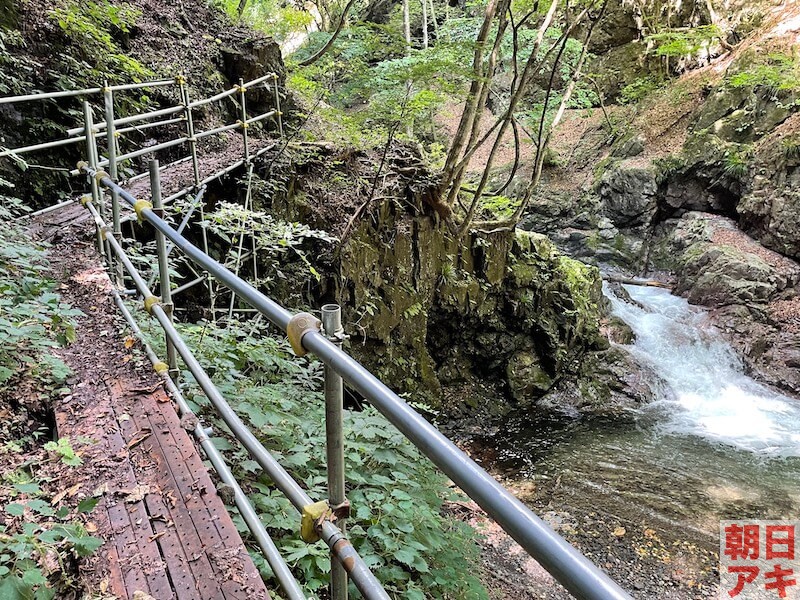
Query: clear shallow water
[716, 445]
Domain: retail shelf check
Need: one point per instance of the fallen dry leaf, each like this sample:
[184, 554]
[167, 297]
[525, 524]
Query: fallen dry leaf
[63, 493]
[136, 494]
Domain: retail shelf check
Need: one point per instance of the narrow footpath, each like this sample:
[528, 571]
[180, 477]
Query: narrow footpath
[167, 533]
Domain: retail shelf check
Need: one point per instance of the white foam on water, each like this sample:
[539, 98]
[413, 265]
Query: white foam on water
[710, 395]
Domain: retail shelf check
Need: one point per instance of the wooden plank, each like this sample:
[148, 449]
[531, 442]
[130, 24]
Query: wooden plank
[173, 478]
[229, 559]
[154, 567]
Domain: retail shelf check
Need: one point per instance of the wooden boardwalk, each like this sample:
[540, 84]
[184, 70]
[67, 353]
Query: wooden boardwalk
[167, 533]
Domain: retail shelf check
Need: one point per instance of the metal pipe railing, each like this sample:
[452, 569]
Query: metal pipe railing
[132, 119]
[573, 570]
[141, 86]
[42, 146]
[50, 95]
[334, 437]
[146, 150]
[215, 98]
[359, 572]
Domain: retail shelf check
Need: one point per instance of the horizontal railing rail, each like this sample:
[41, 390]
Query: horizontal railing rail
[574, 571]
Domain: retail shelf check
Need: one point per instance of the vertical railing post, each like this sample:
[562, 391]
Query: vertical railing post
[334, 407]
[111, 141]
[278, 104]
[243, 115]
[184, 91]
[91, 158]
[163, 265]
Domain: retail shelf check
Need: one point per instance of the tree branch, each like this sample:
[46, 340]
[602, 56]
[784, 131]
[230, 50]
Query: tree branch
[321, 52]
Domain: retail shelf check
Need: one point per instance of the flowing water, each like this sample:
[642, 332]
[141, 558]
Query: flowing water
[715, 445]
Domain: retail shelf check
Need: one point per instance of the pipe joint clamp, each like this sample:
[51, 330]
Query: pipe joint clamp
[299, 325]
[140, 206]
[161, 368]
[313, 514]
[150, 302]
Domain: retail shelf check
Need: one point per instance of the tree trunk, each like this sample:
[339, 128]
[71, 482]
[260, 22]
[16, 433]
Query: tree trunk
[425, 24]
[332, 39]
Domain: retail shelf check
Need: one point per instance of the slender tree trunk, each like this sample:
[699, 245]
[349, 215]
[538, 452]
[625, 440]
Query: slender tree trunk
[407, 32]
[425, 24]
[407, 25]
[242, 6]
[433, 18]
[544, 140]
[471, 104]
[459, 170]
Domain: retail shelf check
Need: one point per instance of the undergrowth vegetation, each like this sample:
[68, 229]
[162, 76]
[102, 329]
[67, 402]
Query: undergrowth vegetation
[40, 537]
[88, 25]
[33, 319]
[397, 496]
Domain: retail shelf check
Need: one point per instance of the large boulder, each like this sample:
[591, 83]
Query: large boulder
[629, 196]
[718, 265]
[250, 59]
[751, 291]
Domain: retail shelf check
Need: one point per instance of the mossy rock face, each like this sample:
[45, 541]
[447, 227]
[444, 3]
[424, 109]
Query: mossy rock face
[753, 99]
[717, 273]
[527, 379]
[506, 309]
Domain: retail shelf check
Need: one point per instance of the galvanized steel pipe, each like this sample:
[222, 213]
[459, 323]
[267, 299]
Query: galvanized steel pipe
[362, 577]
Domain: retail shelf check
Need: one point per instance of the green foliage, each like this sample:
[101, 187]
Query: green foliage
[791, 148]
[777, 72]
[639, 88]
[33, 319]
[667, 166]
[34, 554]
[498, 207]
[63, 448]
[397, 495]
[273, 238]
[279, 19]
[737, 161]
[684, 42]
[88, 24]
[15, 68]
